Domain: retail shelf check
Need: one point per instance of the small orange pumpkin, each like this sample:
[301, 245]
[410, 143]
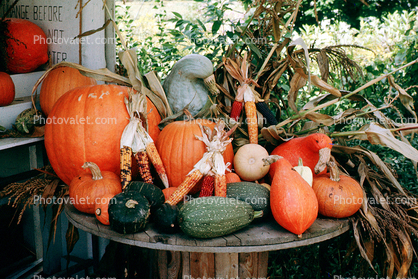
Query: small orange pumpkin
[101, 209]
[232, 177]
[339, 196]
[7, 89]
[57, 82]
[293, 202]
[88, 188]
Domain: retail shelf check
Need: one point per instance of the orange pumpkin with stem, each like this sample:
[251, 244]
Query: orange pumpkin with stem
[293, 202]
[89, 187]
[180, 150]
[339, 196]
[57, 82]
[86, 124]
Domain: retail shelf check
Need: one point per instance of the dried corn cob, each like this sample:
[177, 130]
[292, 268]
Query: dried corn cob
[153, 155]
[199, 170]
[125, 165]
[220, 185]
[208, 185]
[219, 169]
[185, 187]
[236, 110]
[264, 109]
[144, 166]
[251, 114]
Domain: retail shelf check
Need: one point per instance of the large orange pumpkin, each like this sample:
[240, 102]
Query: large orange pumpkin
[86, 124]
[7, 89]
[180, 150]
[26, 47]
[57, 82]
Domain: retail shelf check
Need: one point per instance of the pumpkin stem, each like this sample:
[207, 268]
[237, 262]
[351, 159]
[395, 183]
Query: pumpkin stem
[258, 214]
[300, 162]
[95, 170]
[324, 157]
[271, 159]
[131, 203]
[333, 170]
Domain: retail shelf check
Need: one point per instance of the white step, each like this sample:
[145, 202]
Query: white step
[24, 83]
[9, 113]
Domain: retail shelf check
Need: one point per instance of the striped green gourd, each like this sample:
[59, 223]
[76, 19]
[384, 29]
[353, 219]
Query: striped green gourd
[209, 217]
[252, 193]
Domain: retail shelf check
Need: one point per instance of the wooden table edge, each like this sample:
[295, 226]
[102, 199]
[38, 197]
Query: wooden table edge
[343, 227]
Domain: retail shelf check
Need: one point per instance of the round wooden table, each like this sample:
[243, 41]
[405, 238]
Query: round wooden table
[243, 254]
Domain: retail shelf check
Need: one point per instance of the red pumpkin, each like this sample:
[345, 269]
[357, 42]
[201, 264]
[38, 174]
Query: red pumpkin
[57, 82]
[293, 202]
[101, 209]
[7, 89]
[180, 150]
[86, 124]
[87, 188]
[339, 196]
[309, 148]
[26, 46]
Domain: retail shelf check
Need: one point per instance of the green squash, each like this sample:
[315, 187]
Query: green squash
[209, 217]
[129, 212]
[154, 194]
[185, 86]
[166, 218]
[26, 120]
[252, 193]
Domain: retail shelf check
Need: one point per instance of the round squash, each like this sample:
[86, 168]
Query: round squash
[26, 46]
[89, 187]
[166, 218]
[339, 196]
[129, 212]
[57, 82]
[7, 89]
[153, 194]
[101, 209]
[86, 124]
[248, 162]
[180, 150]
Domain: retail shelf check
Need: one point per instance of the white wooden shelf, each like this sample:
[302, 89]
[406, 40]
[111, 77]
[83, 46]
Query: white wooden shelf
[9, 113]
[24, 83]
[14, 142]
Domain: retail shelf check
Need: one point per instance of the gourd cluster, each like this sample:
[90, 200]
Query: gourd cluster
[186, 177]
